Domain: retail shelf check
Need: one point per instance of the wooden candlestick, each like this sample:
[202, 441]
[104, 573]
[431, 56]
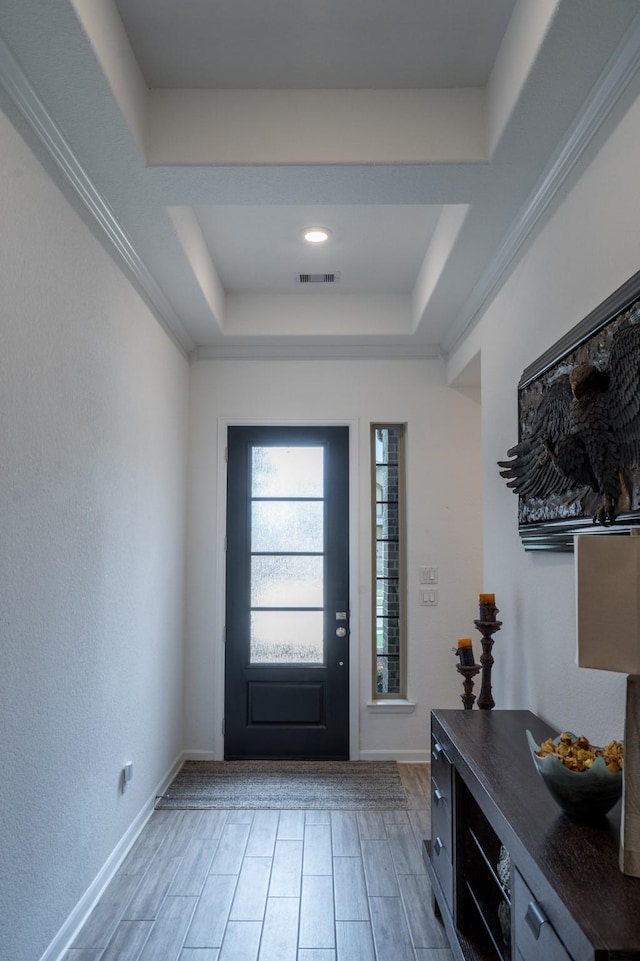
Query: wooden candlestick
[468, 672]
[487, 628]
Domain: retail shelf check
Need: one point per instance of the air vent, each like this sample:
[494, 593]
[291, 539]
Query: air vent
[317, 278]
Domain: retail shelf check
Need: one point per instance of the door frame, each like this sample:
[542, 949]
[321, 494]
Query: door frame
[220, 574]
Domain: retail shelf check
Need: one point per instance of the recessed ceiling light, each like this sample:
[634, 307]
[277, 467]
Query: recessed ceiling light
[316, 235]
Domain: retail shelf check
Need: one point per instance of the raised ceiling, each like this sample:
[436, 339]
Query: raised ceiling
[336, 44]
[429, 136]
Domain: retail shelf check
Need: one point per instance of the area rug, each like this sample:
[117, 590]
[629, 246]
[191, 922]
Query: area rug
[286, 785]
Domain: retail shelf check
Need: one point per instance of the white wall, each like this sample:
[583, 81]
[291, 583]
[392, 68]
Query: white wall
[587, 250]
[443, 466]
[93, 403]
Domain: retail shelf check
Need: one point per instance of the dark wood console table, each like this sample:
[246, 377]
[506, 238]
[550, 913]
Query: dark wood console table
[513, 878]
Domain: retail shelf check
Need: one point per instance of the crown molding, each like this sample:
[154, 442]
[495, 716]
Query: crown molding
[21, 93]
[615, 79]
[393, 350]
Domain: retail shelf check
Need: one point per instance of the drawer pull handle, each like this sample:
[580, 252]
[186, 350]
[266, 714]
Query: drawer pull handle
[535, 918]
[438, 845]
[437, 750]
[438, 796]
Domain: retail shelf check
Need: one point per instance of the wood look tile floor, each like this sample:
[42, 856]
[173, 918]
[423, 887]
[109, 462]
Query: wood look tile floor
[272, 886]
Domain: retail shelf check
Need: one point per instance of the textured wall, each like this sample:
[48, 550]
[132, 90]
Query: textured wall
[92, 502]
[443, 504]
[589, 247]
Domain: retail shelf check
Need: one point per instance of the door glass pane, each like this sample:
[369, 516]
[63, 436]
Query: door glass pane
[287, 471]
[286, 581]
[287, 526]
[287, 637]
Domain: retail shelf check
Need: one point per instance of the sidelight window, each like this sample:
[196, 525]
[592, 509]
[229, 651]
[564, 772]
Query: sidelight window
[388, 525]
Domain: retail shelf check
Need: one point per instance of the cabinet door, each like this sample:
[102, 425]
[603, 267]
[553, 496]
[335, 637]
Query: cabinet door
[442, 818]
[535, 937]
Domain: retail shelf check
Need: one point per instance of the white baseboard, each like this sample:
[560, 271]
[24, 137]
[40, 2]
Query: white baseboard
[65, 936]
[199, 756]
[409, 757]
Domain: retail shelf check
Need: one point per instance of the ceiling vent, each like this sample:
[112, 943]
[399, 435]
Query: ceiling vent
[318, 278]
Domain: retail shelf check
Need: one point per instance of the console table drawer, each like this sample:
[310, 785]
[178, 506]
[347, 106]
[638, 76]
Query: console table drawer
[442, 861]
[442, 818]
[534, 934]
[440, 763]
[441, 810]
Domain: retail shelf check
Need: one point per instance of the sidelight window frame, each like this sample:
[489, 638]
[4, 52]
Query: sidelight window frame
[394, 564]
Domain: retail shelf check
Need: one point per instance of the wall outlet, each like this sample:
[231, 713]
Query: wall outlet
[126, 775]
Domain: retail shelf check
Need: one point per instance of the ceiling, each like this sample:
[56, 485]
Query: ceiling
[431, 137]
[291, 44]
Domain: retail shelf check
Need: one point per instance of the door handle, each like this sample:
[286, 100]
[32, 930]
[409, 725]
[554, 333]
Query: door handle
[341, 632]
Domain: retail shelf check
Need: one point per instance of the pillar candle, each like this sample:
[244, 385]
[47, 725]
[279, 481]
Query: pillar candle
[465, 652]
[488, 609]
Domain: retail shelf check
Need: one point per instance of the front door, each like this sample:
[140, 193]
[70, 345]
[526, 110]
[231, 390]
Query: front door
[287, 593]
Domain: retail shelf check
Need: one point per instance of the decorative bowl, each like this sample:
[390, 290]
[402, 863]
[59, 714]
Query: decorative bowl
[583, 795]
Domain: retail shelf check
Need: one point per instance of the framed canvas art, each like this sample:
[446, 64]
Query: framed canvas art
[576, 466]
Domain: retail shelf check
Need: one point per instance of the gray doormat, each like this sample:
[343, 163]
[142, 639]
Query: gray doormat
[286, 785]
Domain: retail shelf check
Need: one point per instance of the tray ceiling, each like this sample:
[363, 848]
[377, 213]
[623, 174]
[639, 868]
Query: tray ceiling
[431, 138]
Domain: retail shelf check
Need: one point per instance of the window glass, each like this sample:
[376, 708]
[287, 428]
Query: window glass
[389, 536]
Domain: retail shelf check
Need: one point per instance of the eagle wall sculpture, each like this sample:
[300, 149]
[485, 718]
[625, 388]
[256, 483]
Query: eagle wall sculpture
[579, 448]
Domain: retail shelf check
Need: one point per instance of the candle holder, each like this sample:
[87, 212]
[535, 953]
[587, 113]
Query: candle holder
[468, 673]
[488, 626]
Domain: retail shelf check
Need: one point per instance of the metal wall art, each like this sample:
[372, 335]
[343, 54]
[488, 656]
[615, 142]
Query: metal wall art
[576, 466]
